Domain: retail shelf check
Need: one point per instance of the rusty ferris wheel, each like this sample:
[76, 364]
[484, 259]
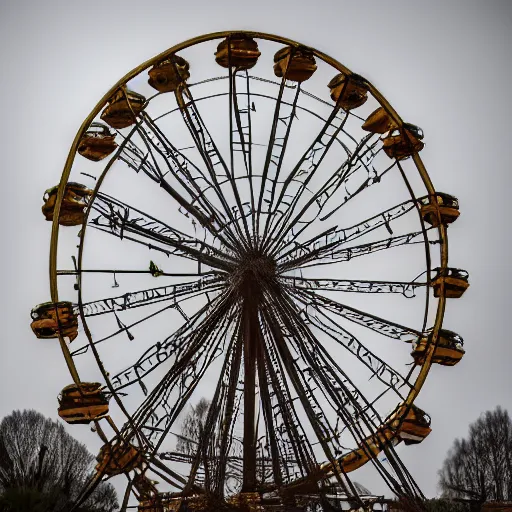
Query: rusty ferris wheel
[263, 233]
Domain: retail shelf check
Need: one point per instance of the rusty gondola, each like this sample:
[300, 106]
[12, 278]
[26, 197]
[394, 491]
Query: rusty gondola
[412, 423]
[74, 203]
[379, 121]
[82, 403]
[403, 143]
[239, 51]
[450, 282]
[294, 64]
[169, 74]
[117, 458]
[51, 319]
[348, 92]
[439, 209]
[97, 142]
[448, 351]
[123, 108]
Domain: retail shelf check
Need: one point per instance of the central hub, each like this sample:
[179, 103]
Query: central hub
[254, 272]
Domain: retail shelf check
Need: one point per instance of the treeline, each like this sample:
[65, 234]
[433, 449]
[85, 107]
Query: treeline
[43, 469]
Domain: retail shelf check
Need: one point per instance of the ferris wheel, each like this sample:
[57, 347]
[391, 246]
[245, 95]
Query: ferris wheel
[243, 218]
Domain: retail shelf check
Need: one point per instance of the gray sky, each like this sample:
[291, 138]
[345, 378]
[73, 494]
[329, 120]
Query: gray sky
[443, 65]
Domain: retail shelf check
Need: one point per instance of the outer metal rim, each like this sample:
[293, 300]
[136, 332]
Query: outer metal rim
[134, 72]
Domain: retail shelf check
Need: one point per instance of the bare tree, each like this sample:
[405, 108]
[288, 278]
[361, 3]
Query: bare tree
[42, 468]
[189, 442]
[480, 467]
[192, 427]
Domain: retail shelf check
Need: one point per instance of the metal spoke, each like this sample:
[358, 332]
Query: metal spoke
[328, 256]
[380, 369]
[319, 422]
[340, 179]
[292, 443]
[333, 238]
[241, 137]
[276, 151]
[119, 219]
[184, 375]
[312, 157]
[375, 323]
[407, 289]
[174, 345]
[211, 156]
[188, 176]
[126, 328]
[125, 271]
[348, 397]
[152, 296]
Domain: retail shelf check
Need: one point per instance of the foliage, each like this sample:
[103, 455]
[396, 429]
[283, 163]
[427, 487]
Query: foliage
[480, 467]
[42, 468]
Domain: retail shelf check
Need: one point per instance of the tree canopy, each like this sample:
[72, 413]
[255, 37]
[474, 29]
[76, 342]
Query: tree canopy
[43, 469]
[480, 467]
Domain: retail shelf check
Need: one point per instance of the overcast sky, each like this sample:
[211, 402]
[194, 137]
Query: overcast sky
[443, 65]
